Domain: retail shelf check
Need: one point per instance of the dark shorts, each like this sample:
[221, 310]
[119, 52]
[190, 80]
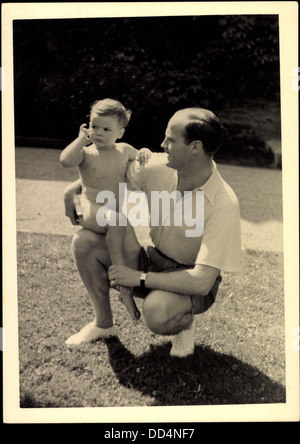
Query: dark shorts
[154, 260]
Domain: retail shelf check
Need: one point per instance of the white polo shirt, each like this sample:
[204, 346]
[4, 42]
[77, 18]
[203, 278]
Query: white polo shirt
[219, 245]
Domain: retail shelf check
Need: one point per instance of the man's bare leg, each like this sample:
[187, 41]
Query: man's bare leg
[92, 260]
[169, 313]
[115, 231]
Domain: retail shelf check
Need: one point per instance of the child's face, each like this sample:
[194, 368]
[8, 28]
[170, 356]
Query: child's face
[105, 130]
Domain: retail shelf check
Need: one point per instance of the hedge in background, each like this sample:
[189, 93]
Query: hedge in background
[153, 65]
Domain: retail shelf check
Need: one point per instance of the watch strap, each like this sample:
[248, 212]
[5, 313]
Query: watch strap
[143, 279]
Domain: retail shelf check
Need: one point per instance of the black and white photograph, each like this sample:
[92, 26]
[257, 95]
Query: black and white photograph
[150, 213]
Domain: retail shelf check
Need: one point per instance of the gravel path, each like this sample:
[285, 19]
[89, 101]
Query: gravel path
[41, 181]
[45, 214]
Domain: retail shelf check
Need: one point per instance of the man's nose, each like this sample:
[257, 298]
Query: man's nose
[163, 144]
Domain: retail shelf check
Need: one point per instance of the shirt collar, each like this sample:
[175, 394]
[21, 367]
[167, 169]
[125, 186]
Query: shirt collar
[211, 185]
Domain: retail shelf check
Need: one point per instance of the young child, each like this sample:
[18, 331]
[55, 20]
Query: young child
[102, 165]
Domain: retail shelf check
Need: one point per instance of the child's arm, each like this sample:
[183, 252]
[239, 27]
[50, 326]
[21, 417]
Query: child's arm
[73, 154]
[132, 152]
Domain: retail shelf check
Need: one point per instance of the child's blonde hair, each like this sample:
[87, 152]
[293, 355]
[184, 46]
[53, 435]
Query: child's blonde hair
[111, 107]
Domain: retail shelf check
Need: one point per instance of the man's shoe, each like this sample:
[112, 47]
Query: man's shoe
[90, 333]
[183, 344]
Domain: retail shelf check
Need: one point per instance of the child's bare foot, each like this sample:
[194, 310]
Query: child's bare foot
[126, 298]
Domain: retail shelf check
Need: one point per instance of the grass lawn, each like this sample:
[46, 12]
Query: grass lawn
[239, 357]
[240, 351]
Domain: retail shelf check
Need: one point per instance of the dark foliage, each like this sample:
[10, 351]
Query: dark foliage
[153, 65]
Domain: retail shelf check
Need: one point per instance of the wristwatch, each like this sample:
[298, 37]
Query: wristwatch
[143, 279]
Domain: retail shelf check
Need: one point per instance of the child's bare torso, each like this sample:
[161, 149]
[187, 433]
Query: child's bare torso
[103, 170]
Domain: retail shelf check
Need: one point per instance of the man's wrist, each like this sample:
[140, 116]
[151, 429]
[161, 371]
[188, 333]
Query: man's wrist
[143, 278]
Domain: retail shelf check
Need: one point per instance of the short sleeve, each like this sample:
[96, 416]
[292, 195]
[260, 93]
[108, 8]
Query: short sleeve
[147, 177]
[221, 240]
[134, 176]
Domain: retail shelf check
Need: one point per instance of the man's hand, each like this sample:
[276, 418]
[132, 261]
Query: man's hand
[122, 275]
[71, 201]
[70, 209]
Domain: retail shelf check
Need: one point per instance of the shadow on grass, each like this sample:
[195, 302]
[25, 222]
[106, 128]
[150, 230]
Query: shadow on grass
[205, 378]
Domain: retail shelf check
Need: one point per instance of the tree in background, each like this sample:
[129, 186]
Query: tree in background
[153, 65]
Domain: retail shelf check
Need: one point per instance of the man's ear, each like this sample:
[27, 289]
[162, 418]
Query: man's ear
[196, 146]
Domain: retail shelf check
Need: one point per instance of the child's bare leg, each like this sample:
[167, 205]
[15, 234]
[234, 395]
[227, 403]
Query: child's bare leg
[87, 216]
[115, 245]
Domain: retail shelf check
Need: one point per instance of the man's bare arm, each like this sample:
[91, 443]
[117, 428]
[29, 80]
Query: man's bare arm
[69, 200]
[196, 281]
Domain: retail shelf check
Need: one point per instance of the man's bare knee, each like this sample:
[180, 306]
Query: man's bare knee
[167, 313]
[155, 313]
[82, 242]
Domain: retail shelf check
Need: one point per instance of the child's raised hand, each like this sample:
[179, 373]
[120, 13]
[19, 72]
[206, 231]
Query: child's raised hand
[84, 133]
[143, 156]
